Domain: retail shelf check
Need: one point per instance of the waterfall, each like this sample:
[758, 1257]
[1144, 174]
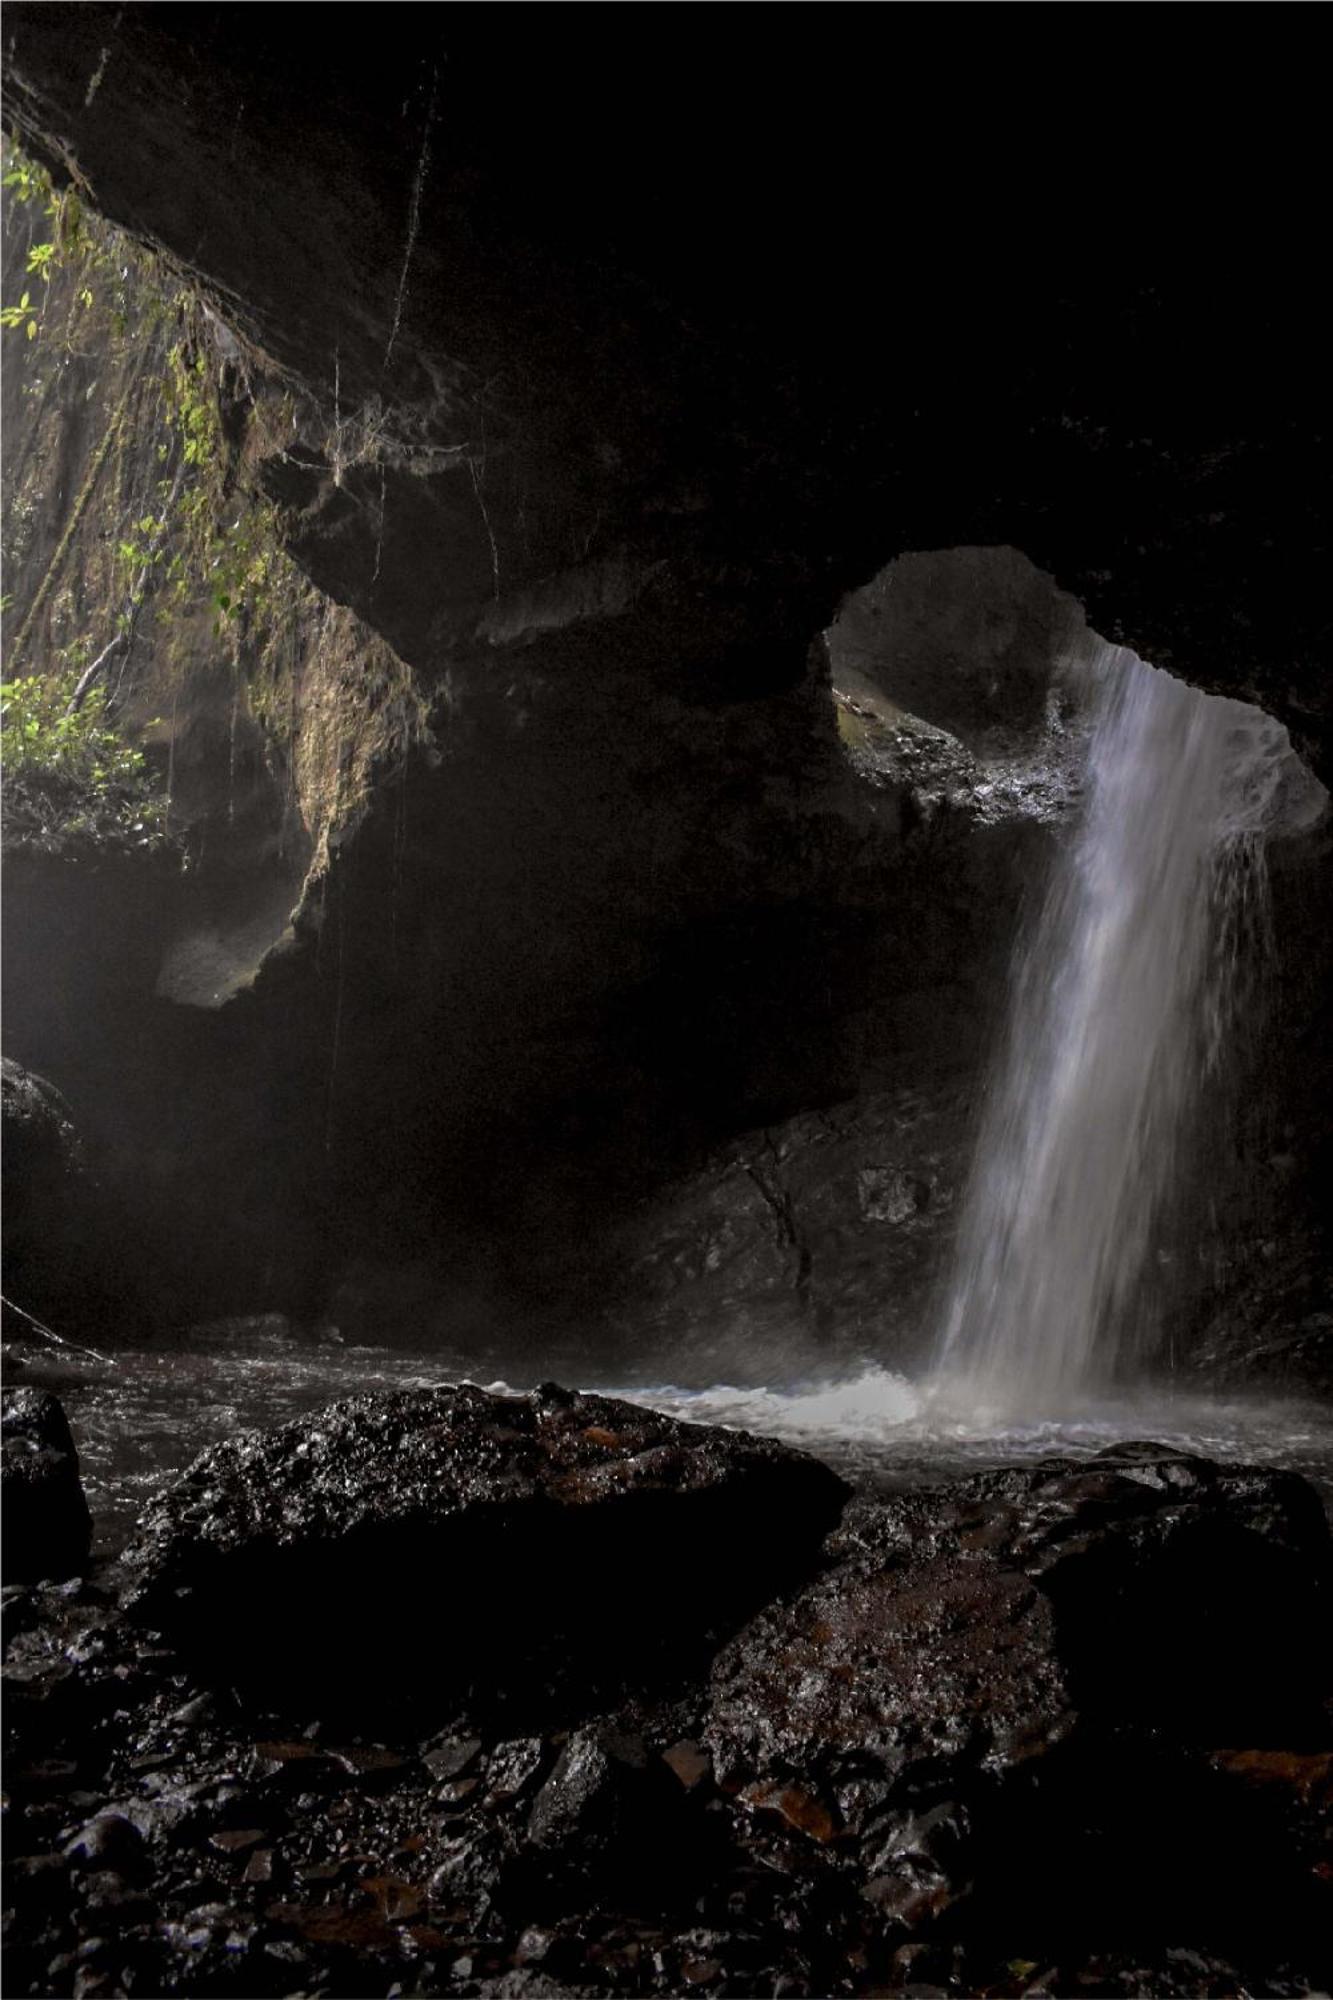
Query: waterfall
[1118, 1010]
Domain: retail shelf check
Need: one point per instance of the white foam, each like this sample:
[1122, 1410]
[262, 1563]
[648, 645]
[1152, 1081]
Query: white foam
[879, 1426]
[870, 1407]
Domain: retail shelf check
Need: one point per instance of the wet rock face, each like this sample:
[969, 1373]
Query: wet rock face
[503, 1550]
[794, 1241]
[40, 1140]
[47, 1526]
[610, 1814]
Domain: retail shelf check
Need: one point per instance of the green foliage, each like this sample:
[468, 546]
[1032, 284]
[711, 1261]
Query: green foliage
[69, 775]
[24, 314]
[140, 547]
[245, 565]
[71, 246]
[190, 542]
[26, 181]
[194, 404]
[199, 543]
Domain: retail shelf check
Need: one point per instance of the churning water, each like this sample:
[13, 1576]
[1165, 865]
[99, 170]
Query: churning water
[1119, 1009]
[139, 1422]
[883, 1432]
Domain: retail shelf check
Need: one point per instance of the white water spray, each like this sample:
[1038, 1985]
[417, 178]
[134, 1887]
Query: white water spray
[1118, 1010]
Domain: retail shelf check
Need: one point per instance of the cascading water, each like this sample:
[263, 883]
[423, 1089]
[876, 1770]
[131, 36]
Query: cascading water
[1118, 1010]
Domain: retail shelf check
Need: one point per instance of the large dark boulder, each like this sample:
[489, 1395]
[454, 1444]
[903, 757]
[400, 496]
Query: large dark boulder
[866, 1724]
[991, 1684]
[969, 1627]
[47, 1527]
[452, 1544]
[1189, 1597]
[902, 1671]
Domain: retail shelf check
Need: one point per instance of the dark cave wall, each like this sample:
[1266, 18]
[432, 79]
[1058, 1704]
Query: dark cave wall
[555, 920]
[592, 429]
[1261, 1305]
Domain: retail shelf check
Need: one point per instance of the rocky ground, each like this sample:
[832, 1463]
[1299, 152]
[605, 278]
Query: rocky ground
[445, 1692]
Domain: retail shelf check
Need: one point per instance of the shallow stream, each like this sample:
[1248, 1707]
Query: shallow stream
[140, 1420]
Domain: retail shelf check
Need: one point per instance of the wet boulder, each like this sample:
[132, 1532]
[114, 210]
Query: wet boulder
[868, 1727]
[1228, 1564]
[1153, 1562]
[47, 1526]
[881, 1685]
[450, 1547]
[1002, 1694]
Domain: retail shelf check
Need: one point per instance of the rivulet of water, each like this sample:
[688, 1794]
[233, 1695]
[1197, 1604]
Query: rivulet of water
[1119, 1009]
